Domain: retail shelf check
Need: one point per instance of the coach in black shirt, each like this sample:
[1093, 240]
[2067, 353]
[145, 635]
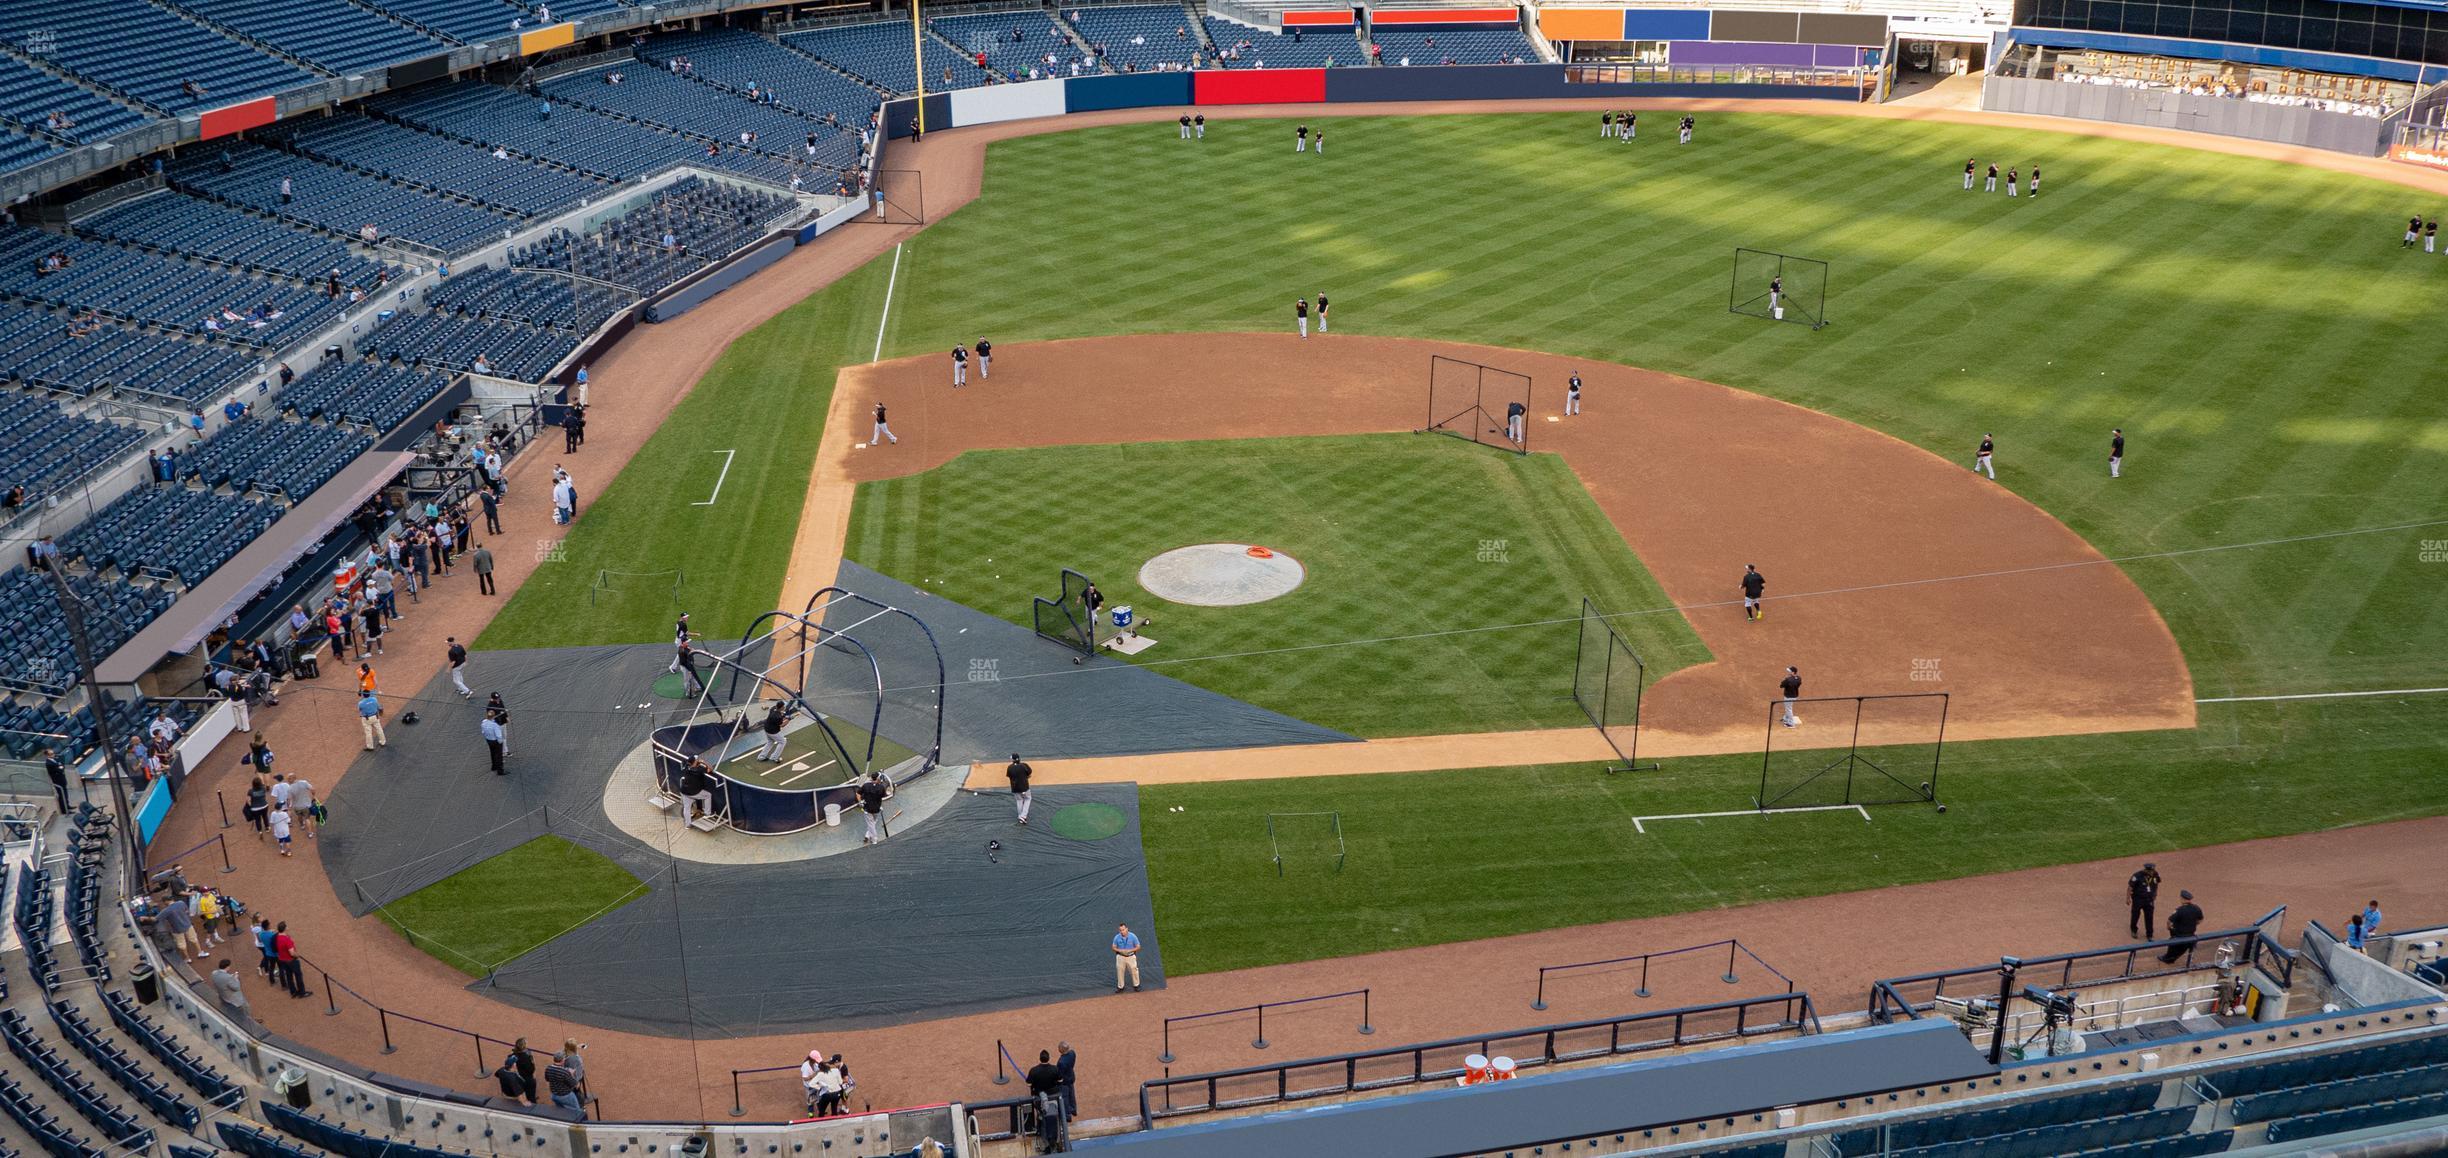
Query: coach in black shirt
[1018, 773]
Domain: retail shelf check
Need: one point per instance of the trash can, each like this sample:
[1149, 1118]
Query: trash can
[146, 984]
[293, 1087]
[833, 815]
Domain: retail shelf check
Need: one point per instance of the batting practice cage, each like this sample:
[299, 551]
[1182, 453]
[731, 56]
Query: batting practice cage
[1779, 287]
[898, 197]
[1607, 680]
[1468, 400]
[1065, 619]
[1850, 751]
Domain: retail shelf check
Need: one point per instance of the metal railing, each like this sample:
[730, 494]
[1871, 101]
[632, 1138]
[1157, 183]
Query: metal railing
[1260, 1009]
[1733, 950]
[1436, 1061]
[1907, 998]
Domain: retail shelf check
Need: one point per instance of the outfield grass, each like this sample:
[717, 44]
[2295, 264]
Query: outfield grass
[1399, 537]
[1450, 856]
[2269, 351]
[487, 914]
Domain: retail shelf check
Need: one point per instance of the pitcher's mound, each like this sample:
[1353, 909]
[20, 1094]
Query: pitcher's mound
[1220, 575]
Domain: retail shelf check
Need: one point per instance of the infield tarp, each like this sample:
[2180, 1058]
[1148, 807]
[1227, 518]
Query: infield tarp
[1010, 691]
[926, 925]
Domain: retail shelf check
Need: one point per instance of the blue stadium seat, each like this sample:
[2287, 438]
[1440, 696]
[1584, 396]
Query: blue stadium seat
[63, 354]
[436, 166]
[273, 457]
[169, 533]
[2330, 1067]
[337, 200]
[1455, 46]
[654, 96]
[880, 55]
[1276, 49]
[129, 46]
[736, 60]
[2341, 1094]
[174, 1055]
[488, 115]
[707, 222]
[207, 231]
[465, 21]
[336, 35]
[155, 1094]
[541, 300]
[38, 100]
[365, 393]
[49, 450]
[2359, 1117]
[35, 654]
[1142, 37]
[1012, 41]
[71, 1084]
[142, 287]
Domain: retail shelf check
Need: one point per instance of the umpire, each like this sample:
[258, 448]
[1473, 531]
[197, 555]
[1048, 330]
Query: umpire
[2142, 895]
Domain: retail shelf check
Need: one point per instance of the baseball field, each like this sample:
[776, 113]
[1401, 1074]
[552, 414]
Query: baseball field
[2251, 326]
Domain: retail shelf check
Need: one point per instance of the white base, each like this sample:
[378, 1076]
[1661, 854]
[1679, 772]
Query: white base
[1129, 644]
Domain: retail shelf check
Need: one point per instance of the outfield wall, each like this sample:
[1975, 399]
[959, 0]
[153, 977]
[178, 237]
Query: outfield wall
[1295, 86]
[2224, 116]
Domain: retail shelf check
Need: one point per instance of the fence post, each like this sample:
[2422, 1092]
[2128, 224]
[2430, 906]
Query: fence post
[331, 1001]
[740, 1111]
[1643, 991]
[477, 1040]
[1540, 1001]
[1261, 1043]
[1731, 947]
[226, 866]
[1000, 1078]
[1167, 1056]
[384, 1016]
[225, 820]
[1365, 1027]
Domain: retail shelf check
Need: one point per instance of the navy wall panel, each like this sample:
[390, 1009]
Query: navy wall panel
[1533, 82]
[1134, 91]
[720, 278]
[900, 114]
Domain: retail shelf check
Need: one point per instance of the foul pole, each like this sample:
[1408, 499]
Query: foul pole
[918, 64]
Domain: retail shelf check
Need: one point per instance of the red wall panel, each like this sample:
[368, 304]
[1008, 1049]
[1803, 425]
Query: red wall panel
[1259, 86]
[221, 122]
[1444, 16]
[1340, 17]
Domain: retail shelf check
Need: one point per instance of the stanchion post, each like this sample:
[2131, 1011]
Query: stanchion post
[225, 821]
[1365, 1027]
[477, 1040]
[384, 1016]
[1731, 948]
[226, 866]
[1167, 1056]
[1000, 1078]
[1261, 1042]
[1540, 1001]
[1643, 991]
[331, 1001]
[737, 1110]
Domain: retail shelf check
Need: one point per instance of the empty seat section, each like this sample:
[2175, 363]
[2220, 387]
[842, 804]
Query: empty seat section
[167, 532]
[339, 36]
[1011, 41]
[37, 99]
[48, 449]
[1455, 46]
[139, 50]
[1141, 37]
[209, 231]
[1307, 49]
[433, 164]
[336, 200]
[880, 54]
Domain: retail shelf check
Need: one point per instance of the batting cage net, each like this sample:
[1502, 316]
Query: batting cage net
[897, 198]
[1852, 750]
[1306, 840]
[1779, 287]
[1065, 618]
[1484, 404]
[1607, 680]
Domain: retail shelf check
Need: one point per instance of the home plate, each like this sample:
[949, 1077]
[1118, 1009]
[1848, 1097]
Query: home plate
[1130, 644]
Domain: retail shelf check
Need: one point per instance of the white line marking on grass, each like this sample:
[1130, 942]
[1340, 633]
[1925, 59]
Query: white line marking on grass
[889, 283]
[1637, 820]
[2321, 696]
[728, 455]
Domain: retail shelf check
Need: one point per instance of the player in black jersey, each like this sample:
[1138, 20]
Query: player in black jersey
[1969, 166]
[1991, 187]
[1981, 458]
[1752, 584]
[2116, 452]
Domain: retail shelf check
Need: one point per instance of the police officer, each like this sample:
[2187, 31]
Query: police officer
[2142, 900]
[1752, 584]
[2181, 924]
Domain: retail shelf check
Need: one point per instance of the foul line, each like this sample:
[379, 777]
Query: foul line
[728, 455]
[889, 283]
[2321, 696]
[1865, 813]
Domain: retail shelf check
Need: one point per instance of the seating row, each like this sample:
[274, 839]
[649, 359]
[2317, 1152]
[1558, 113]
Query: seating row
[2341, 1094]
[1010, 41]
[508, 350]
[336, 200]
[737, 60]
[48, 449]
[1273, 49]
[159, 291]
[55, 1137]
[1141, 37]
[35, 654]
[365, 393]
[74, 354]
[345, 1142]
[132, 1076]
[2064, 1137]
[542, 300]
[272, 456]
[173, 1054]
[880, 55]
[65, 1079]
[26, 728]
[39, 100]
[656, 97]
[2329, 1067]
[168, 532]
[2359, 1117]
[174, 223]
[1455, 46]
[1962, 1126]
[433, 165]
[135, 49]
[333, 34]
[257, 1143]
[489, 116]
[465, 21]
